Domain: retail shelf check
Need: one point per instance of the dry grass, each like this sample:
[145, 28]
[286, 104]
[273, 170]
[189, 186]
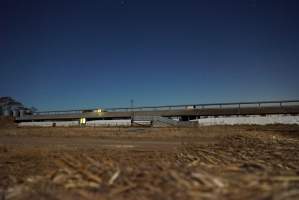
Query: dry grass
[239, 162]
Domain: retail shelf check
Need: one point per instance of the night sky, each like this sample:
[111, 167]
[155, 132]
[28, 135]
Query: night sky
[61, 54]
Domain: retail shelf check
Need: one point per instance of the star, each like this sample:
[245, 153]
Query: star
[123, 3]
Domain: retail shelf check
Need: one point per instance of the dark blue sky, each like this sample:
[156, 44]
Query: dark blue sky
[61, 54]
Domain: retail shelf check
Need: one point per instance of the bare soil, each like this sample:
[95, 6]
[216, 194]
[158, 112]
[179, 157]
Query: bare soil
[217, 162]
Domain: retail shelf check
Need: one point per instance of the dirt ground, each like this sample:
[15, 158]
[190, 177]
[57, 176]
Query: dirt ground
[217, 162]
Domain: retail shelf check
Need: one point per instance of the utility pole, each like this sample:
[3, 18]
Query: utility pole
[132, 114]
[132, 103]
